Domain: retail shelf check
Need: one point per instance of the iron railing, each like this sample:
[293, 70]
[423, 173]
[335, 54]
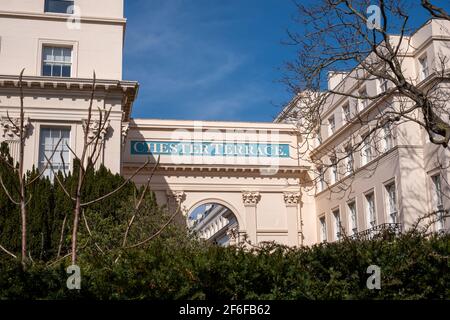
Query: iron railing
[393, 228]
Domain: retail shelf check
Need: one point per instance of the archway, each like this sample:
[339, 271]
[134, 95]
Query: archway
[214, 222]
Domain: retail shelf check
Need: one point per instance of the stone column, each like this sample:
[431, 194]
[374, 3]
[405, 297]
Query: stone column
[251, 199]
[292, 201]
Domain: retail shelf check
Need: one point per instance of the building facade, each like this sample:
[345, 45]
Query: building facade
[396, 175]
[252, 178]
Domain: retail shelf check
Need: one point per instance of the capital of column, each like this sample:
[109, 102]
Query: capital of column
[10, 127]
[96, 128]
[251, 198]
[177, 196]
[292, 198]
[125, 129]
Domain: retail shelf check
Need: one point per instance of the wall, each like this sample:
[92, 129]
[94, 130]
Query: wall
[97, 45]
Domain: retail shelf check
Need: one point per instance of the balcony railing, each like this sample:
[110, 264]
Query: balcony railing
[392, 228]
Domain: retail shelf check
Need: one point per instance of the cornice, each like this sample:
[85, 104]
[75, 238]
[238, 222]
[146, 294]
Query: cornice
[151, 124]
[129, 89]
[61, 17]
[169, 169]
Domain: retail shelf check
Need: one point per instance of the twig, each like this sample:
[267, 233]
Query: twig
[139, 203]
[61, 238]
[7, 192]
[8, 252]
[117, 189]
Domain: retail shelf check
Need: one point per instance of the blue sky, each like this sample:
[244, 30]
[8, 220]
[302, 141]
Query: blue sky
[211, 59]
[207, 59]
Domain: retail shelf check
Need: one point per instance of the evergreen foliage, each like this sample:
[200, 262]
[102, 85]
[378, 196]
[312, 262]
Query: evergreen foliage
[175, 265]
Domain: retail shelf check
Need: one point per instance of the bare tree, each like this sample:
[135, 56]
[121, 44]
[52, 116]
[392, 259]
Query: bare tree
[19, 129]
[338, 37]
[435, 11]
[341, 50]
[88, 159]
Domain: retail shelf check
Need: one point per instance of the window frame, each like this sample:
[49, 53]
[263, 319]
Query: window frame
[41, 163]
[363, 103]
[57, 43]
[346, 113]
[334, 169]
[388, 135]
[321, 179]
[370, 223]
[319, 136]
[353, 223]
[331, 125]
[383, 85]
[367, 146]
[391, 214]
[70, 3]
[54, 62]
[424, 68]
[323, 232]
[438, 202]
[349, 160]
[336, 213]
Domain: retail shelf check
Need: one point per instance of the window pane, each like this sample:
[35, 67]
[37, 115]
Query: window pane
[56, 72]
[67, 54]
[58, 54]
[58, 6]
[47, 54]
[66, 71]
[47, 70]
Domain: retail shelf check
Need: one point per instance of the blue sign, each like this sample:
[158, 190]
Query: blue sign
[211, 149]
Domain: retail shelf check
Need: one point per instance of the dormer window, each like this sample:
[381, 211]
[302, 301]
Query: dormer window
[59, 6]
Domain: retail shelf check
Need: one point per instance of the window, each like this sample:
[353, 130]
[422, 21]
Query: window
[367, 150]
[48, 140]
[321, 180]
[337, 224]
[56, 61]
[59, 6]
[438, 202]
[423, 71]
[352, 218]
[370, 210]
[362, 101]
[318, 136]
[382, 85]
[323, 229]
[334, 170]
[331, 125]
[392, 202]
[346, 113]
[388, 140]
[349, 159]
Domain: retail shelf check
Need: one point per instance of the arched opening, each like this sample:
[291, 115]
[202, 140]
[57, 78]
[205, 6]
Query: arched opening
[214, 222]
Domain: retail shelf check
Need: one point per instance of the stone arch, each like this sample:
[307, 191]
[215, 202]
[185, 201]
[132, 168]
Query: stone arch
[236, 213]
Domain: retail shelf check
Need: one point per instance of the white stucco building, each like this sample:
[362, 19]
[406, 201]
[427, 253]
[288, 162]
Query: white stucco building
[251, 175]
